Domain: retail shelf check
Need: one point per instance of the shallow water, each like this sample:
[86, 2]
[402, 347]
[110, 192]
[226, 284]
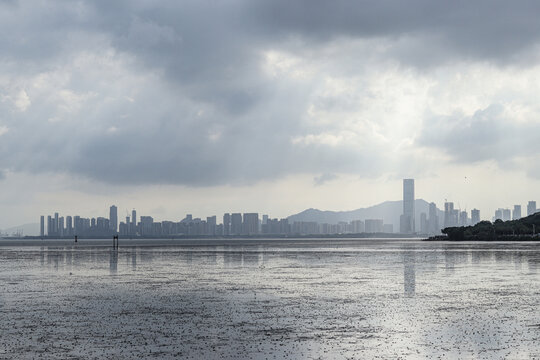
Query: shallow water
[264, 299]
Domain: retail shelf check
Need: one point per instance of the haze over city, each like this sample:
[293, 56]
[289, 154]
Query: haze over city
[206, 108]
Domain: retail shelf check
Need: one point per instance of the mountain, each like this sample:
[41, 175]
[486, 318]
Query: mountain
[389, 211]
[31, 229]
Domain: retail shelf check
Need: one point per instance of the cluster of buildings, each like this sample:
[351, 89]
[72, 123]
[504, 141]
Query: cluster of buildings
[515, 213]
[58, 226]
[249, 224]
[233, 224]
[430, 224]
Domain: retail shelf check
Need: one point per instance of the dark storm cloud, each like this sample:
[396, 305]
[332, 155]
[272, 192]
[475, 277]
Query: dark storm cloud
[210, 115]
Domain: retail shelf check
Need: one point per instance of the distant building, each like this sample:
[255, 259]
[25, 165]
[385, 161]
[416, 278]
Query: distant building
[506, 215]
[251, 223]
[113, 218]
[406, 223]
[42, 226]
[50, 230]
[516, 213]
[226, 224]
[450, 215]
[433, 221]
[146, 226]
[531, 208]
[236, 224]
[475, 216]
[463, 219]
[69, 226]
[374, 225]
[423, 223]
[133, 227]
[211, 223]
[498, 214]
[60, 228]
[357, 226]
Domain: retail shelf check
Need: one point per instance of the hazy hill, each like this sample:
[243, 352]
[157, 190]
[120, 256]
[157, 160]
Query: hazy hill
[389, 211]
[26, 229]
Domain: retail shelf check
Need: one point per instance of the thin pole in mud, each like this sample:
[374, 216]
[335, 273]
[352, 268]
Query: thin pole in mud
[75, 238]
[115, 242]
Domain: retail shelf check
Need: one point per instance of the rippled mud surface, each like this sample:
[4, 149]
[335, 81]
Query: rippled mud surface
[257, 299]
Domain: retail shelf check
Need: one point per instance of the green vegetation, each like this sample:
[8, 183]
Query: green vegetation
[526, 228]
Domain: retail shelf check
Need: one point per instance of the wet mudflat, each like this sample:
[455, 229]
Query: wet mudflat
[258, 299]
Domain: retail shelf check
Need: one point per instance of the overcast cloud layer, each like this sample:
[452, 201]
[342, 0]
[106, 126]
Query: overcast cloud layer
[203, 93]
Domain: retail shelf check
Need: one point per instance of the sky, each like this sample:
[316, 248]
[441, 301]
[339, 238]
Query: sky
[206, 107]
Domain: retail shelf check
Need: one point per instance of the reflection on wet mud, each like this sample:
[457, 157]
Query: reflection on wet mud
[409, 273]
[320, 299]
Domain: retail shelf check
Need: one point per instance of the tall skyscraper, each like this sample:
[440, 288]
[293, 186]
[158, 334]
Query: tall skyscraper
[433, 220]
[134, 217]
[516, 213]
[475, 216]
[69, 226]
[42, 226]
[531, 208]
[423, 223]
[55, 225]
[50, 230]
[226, 224]
[407, 224]
[113, 218]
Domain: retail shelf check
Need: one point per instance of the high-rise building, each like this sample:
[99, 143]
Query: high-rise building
[133, 227]
[506, 215]
[113, 218]
[60, 226]
[498, 214]
[475, 216]
[449, 212]
[374, 225]
[226, 224]
[236, 224]
[69, 226]
[42, 226]
[423, 223]
[251, 223]
[146, 226]
[50, 230]
[516, 213]
[55, 224]
[531, 208]
[77, 225]
[463, 218]
[211, 222]
[433, 221]
[407, 223]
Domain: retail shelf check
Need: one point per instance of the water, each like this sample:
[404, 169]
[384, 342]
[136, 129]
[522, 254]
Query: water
[304, 299]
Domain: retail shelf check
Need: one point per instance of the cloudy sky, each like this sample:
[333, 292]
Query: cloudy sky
[271, 106]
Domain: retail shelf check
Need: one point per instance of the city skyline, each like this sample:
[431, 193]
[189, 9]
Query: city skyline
[428, 222]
